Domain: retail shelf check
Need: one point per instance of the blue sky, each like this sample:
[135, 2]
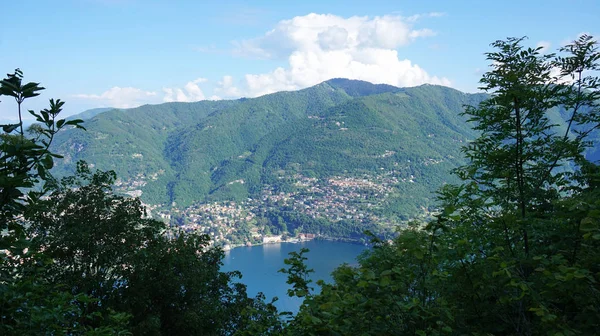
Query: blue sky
[124, 53]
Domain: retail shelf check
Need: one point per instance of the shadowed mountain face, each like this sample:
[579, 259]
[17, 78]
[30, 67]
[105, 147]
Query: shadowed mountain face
[395, 144]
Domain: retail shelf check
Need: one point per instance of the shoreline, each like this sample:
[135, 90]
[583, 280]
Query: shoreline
[297, 241]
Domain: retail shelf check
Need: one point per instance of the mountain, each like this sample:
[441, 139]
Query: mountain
[89, 114]
[375, 151]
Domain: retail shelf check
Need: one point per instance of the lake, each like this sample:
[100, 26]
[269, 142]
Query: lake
[260, 265]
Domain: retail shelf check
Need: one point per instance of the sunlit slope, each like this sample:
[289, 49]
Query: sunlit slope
[188, 152]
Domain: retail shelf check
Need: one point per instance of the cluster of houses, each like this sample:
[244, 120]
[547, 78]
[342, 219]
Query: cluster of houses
[335, 198]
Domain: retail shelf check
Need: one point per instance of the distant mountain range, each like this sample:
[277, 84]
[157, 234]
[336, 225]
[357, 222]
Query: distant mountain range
[397, 143]
[89, 114]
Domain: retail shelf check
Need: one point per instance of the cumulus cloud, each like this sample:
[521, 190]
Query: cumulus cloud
[319, 47]
[129, 97]
[227, 88]
[121, 97]
[313, 31]
[190, 92]
[314, 48]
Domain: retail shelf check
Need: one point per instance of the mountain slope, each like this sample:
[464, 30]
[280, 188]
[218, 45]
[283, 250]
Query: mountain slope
[340, 150]
[89, 114]
[196, 151]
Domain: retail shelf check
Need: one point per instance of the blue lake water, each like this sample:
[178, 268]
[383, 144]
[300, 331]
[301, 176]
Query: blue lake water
[260, 265]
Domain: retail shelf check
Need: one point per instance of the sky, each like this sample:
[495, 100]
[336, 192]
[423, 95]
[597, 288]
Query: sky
[126, 53]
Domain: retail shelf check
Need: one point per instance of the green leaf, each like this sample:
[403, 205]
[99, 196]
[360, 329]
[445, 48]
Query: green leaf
[386, 273]
[74, 122]
[41, 172]
[48, 162]
[418, 254]
[45, 116]
[77, 123]
[10, 127]
[588, 224]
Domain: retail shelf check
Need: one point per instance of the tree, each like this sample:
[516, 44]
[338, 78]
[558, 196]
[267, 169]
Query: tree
[26, 160]
[29, 303]
[514, 191]
[175, 287]
[515, 248]
[91, 234]
[84, 260]
[102, 245]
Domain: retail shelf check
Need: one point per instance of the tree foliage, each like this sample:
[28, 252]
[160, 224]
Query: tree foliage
[515, 247]
[79, 259]
[30, 303]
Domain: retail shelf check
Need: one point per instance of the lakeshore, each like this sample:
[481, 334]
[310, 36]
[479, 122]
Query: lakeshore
[294, 240]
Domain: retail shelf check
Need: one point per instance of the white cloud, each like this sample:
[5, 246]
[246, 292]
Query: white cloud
[417, 17]
[436, 14]
[313, 31]
[126, 97]
[129, 97]
[190, 92]
[227, 88]
[558, 77]
[319, 47]
[570, 40]
[315, 47]
[545, 45]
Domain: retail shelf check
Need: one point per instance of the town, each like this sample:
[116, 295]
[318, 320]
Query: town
[244, 223]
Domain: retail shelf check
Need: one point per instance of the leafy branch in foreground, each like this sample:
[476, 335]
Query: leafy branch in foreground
[25, 161]
[516, 247]
[298, 274]
[30, 303]
[83, 260]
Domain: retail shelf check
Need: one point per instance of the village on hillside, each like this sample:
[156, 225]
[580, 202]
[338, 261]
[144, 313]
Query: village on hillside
[231, 224]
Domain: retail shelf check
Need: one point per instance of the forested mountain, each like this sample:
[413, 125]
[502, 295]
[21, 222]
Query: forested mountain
[181, 153]
[343, 150]
[89, 114]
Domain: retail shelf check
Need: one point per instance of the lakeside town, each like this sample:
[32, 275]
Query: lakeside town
[244, 223]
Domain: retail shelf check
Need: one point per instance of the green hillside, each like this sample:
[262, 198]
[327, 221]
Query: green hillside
[369, 150]
[89, 114]
[332, 159]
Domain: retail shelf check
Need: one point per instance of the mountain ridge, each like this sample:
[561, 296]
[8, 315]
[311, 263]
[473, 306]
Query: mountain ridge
[187, 122]
[310, 145]
[333, 159]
